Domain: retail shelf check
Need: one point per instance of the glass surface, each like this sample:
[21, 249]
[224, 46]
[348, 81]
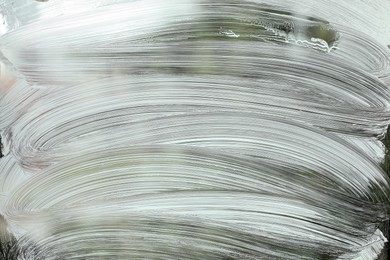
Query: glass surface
[194, 129]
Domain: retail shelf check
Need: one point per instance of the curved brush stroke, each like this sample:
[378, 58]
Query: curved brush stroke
[11, 175]
[262, 137]
[193, 33]
[209, 224]
[117, 177]
[82, 110]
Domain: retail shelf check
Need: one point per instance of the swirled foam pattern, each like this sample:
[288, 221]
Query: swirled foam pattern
[195, 129]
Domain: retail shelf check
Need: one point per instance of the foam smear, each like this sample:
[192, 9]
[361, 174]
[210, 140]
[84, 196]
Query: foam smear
[194, 129]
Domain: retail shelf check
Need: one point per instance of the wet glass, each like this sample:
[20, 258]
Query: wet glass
[194, 129]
